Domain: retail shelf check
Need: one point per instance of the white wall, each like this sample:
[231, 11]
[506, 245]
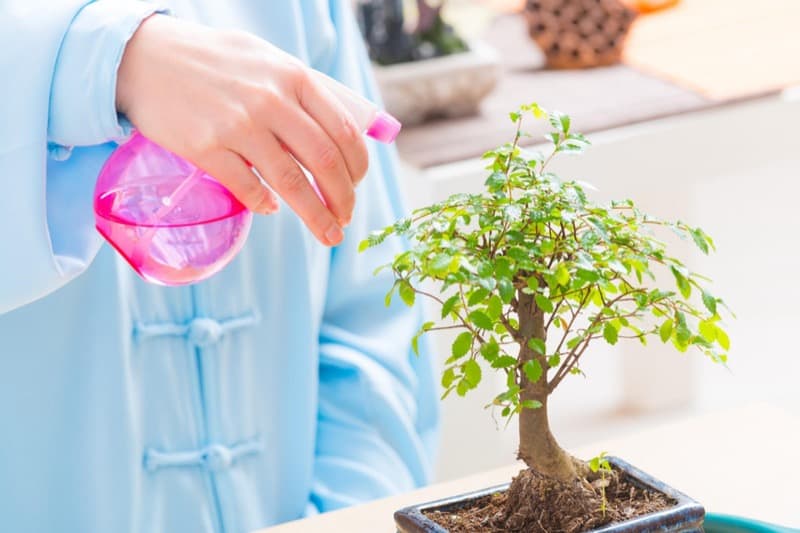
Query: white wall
[735, 171]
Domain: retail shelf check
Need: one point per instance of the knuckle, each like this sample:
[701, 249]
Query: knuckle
[253, 194]
[237, 122]
[297, 73]
[293, 180]
[203, 143]
[261, 100]
[328, 158]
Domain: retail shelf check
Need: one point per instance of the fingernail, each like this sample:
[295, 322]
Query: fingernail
[334, 235]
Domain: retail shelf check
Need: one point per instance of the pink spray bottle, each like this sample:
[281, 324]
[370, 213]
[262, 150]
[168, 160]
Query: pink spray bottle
[174, 223]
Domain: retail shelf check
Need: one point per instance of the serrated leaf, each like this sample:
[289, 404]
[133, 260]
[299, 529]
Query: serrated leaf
[537, 345]
[461, 345]
[533, 370]
[480, 319]
[543, 303]
[610, 334]
[472, 372]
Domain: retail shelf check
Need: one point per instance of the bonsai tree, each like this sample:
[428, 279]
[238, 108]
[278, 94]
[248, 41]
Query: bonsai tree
[531, 273]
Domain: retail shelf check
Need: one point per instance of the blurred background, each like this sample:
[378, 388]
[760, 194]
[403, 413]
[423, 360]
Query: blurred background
[692, 111]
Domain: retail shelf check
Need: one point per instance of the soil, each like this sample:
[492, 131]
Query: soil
[538, 504]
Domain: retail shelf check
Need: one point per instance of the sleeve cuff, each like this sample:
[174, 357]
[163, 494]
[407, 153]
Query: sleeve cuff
[83, 108]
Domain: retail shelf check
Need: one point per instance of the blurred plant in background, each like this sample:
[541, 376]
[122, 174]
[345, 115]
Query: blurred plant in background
[383, 23]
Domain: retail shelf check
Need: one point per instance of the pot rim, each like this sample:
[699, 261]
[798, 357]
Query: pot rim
[686, 512]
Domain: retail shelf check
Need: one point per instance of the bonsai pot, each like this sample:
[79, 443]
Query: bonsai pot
[448, 86]
[686, 516]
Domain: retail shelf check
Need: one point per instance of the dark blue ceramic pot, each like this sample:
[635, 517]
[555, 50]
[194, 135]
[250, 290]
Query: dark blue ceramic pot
[685, 517]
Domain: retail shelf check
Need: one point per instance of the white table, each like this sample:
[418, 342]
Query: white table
[744, 461]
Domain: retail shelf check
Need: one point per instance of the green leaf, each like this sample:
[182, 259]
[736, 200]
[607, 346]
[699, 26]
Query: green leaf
[477, 296]
[562, 275]
[665, 331]
[531, 404]
[723, 340]
[683, 284]
[710, 302]
[440, 264]
[574, 341]
[462, 344]
[543, 303]
[699, 239]
[554, 360]
[463, 387]
[388, 299]
[363, 245]
[610, 334]
[449, 305]
[504, 361]
[533, 370]
[407, 293]
[708, 330]
[506, 289]
[490, 350]
[480, 319]
[537, 345]
[448, 377]
[472, 372]
[494, 307]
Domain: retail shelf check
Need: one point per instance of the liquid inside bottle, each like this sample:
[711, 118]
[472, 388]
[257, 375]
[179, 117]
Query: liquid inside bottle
[173, 244]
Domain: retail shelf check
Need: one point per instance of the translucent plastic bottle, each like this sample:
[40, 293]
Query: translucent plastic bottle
[174, 223]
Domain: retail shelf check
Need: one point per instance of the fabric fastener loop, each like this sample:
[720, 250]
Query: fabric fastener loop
[215, 457]
[200, 331]
[204, 332]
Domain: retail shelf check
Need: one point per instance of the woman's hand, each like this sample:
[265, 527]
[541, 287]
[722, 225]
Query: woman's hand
[220, 98]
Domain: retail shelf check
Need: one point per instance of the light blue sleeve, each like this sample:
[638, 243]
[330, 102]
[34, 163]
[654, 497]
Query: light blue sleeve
[378, 406]
[60, 61]
[83, 108]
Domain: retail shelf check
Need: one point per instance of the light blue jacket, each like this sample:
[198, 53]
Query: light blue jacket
[281, 387]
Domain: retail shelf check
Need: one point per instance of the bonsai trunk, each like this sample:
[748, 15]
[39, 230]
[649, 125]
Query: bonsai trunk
[537, 446]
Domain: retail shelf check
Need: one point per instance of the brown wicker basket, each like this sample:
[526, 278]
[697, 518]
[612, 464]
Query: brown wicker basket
[579, 33]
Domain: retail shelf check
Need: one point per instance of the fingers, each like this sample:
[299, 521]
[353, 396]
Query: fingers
[316, 151]
[323, 106]
[286, 177]
[235, 174]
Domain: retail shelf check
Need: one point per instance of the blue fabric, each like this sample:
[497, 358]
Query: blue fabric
[279, 388]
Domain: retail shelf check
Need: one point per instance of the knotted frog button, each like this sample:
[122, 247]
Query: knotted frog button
[218, 457]
[204, 332]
